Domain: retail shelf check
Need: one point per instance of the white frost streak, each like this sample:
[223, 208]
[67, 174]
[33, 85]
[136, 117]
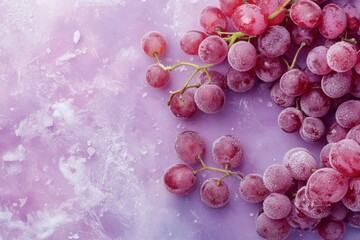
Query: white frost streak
[17, 155]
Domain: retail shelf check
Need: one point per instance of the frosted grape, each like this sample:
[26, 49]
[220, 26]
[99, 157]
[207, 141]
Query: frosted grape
[325, 154]
[336, 133]
[212, 19]
[352, 17]
[156, 76]
[214, 193]
[272, 229]
[331, 230]
[348, 113]
[290, 119]
[293, 82]
[213, 77]
[213, 50]
[249, 19]
[188, 145]
[312, 129]
[179, 179]
[242, 56]
[332, 21]
[277, 206]
[252, 188]
[345, 157]
[336, 85]
[227, 151]
[342, 56]
[353, 219]
[229, 6]
[300, 163]
[279, 97]
[190, 41]
[354, 134]
[274, 42]
[277, 178]
[154, 43]
[314, 103]
[209, 98]
[299, 220]
[316, 60]
[352, 197]
[305, 13]
[240, 81]
[306, 35]
[338, 212]
[183, 105]
[269, 69]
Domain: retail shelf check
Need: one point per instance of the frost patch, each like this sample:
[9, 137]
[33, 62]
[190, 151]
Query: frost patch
[17, 155]
[65, 111]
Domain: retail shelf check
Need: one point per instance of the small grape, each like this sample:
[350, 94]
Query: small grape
[325, 154]
[249, 19]
[352, 197]
[353, 219]
[227, 151]
[354, 134]
[314, 103]
[314, 79]
[299, 220]
[348, 113]
[229, 6]
[156, 76]
[277, 206]
[336, 85]
[277, 178]
[342, 56]
[331, 230]
[306, 35]
[213, 77]
[188, 145]
[183, 105]
[293, 82]
[252, 188]
[279, 97]
[332, 21]
[212, 19]
[242, 56]
[316, 60]
[336, 133]
[179, 179]
[290, 119]
[153, 43]
[209, 98]
[213, 50]
[300, 163]
[269, 69]
[240, 81]
[274, 42]
[214, 193]
[272, 229]
[310, 19]
[312, 129]
[345, 157]
[352, 16]
[338, 212]
[191, 40]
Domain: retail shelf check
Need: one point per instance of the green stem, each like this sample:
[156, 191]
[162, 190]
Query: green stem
[303, 44]
[226, 172]
[279, 10]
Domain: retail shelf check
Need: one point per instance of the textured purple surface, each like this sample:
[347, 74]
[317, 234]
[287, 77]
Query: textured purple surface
[84, 141]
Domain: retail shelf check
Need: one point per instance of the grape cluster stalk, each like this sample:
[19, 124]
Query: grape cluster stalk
[298, 193]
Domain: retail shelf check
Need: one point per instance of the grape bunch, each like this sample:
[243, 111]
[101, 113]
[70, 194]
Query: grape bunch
[320, 100]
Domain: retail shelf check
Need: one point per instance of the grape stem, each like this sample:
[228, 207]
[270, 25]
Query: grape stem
[279, 10]
[303, 44]
[225, 171]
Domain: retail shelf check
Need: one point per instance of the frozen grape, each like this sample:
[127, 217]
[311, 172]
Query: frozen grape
[190, 41]
[345, 157]
[332, 21]
[290, 119]
[355, 91]
[352, 197]
[240, 81]
[300, 35]
[352, 16]
[353, 219]
[348, 113]
[354, 134]
[154, 43]
[299, 220]
[269, 69]
[179, 179]
[229, 6]
[342, 56]
[242, 56]
[316, 60]
[336, 133]
[336, 85]
[213, 77]
[331, 230]
[227, 151]
[325, 154]
[213, 50]
[279, 97]
[252, 188]
[156, 76]
[189, 145]
[209, 98]
[183, 105]
[212, 19]
[338, 212]
[312, 129]
[277, 206]
[314, 79]
[300, 163]
[249, 19]
[293, 82]
[274, 42]
[272, 229]
[314, 103]
[326, 186]
[214, 193]
[277, 178]
[308, 20]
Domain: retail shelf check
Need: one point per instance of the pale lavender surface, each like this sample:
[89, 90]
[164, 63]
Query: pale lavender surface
[84, 141]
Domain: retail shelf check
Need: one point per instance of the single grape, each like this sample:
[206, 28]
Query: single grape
[249, 19]
[227, 151]
[274, 42]
[336, 85]
[183, 105]
[213, 50]
[310, 19]
[290, 119]
[299, 34]
[314, 103]
[179, 179]
[154, 43]
[312, 129]
[326, 186]
[212, 19]
[214, 193]
[213, 77]
[316, 60]
[336, 133]
[338, 212]
[300, 163]
[279, 97]
[354, 134]
[308, 208]
[209, 98]
[293, 82]
[314, 79]
[277, 178]
[353, 219]
[352, 197]
[229, 6]
[240, 81]
[272, 229]
[331, 230]
[325, 154]
[269, 69]
[352, 16]
[190, 41]
[156, 76]
[277, 206]
[188, 145]
[342, 56]
[348, 113]
[252, 188]
[332, 21]
[242, 56]
[345, 157]
[299, 220]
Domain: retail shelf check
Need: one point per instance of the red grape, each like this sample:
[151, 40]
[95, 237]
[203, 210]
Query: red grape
[300, 163]
[252, 188]
[212, 19]
[352, 197]
[314, 79]
[188, 145]
[316, 60]
[242, 56]
[213, 77]
[354, 134]
[336, 133]
[336, 85]
[227, 151]
[277, 206]
[277, 178]
[332, 21]
[338, 212]
[183, 105]
[154, 43]
[325, 154]
[249, 19]
[331, 230]
[179, 179]
[191, 40]
[306, 35]
[209, 98]
[229, 6]
[213, 50]
[312, 129]
[279, 97]
[156, 76]
[341, 56]
[345, 157]
[308, 20]
[290, 119]
[299, 220]
[240, 81]
[314, 103]
[269, 69]
[214, 193]
[274, 42]
[352, 16]
[293, 82]
[353, 219]
[355, 91]
[348, 113]
[272, 229]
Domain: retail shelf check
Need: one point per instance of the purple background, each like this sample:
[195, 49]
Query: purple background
[84, 141]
